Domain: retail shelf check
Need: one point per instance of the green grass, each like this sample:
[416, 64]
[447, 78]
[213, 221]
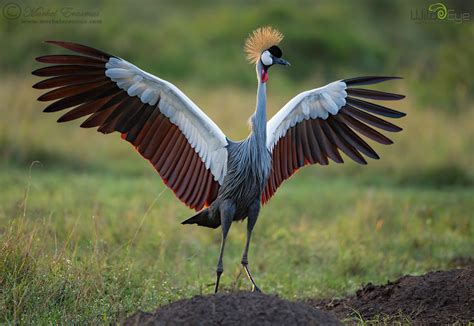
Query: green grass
[398, 319]
[79, 246]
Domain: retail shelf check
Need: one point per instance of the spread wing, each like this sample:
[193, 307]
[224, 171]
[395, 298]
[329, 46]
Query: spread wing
[313, 126]
[182, 143]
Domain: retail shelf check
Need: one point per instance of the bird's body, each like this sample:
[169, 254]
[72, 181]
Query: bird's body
[247, 172]
[248, 168]
[221, 179]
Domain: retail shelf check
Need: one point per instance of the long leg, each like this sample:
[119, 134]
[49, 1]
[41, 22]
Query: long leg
[227, 210]
[252, 219]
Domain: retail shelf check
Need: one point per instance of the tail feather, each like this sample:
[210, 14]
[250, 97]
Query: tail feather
[203, 219]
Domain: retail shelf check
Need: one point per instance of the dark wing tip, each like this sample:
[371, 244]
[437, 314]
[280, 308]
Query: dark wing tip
[374, 94]
[42, 98]
[36, 85]
[398, 114]
[374, 108]
[84, 49]
[368, 80]
[359, 160]
[48, 110]
[401, 115]
[36, 72]
[60, 43]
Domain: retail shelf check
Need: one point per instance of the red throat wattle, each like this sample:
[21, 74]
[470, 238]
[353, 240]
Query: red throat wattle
[264, 76]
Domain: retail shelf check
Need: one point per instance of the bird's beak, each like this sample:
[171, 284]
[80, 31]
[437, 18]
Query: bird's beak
[281, 61]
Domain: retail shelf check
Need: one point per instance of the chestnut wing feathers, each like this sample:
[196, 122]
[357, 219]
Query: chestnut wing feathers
[182, 143]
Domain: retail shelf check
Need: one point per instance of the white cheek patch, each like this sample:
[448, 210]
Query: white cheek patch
[266, 58]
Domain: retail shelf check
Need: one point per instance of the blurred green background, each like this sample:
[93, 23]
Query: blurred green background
[201, 41]
[89, 233]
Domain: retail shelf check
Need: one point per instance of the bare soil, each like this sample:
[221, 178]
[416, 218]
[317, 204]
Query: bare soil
[434, 298]
[237, 308]
[441, 297]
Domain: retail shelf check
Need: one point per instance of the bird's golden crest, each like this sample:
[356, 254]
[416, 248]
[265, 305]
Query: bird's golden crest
[259, 40]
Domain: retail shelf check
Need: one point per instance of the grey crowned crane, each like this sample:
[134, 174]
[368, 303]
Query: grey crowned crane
[223, 180]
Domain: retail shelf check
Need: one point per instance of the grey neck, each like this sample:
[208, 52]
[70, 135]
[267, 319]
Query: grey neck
[259, 118]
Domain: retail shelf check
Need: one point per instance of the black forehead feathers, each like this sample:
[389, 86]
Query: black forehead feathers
[275, 51]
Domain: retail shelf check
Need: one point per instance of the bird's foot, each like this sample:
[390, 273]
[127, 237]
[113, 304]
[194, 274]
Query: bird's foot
[219, 273]
[255, 288]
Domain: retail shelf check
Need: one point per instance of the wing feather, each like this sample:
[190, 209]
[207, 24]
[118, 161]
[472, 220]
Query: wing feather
[314, 125]
[184, 145]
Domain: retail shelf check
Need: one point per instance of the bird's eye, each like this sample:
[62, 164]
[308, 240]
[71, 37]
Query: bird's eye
[266, 58]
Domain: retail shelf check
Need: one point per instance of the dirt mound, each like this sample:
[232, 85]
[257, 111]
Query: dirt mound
[240, 308]
[433, 298]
